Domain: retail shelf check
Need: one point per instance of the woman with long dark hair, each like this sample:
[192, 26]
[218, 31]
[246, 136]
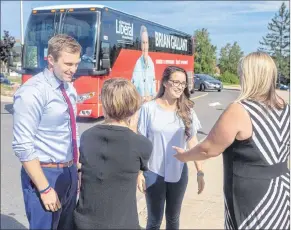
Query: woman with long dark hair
[168, 120]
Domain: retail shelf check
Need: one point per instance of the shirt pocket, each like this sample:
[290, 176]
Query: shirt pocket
[56, 116]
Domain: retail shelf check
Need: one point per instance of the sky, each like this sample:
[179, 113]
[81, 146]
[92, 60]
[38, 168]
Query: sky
[227, 21]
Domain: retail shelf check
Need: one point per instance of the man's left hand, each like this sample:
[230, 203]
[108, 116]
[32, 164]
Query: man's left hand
[79, 181]
[79, 166]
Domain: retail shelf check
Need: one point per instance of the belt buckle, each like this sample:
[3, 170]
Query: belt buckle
[65, 164]
[68, 164]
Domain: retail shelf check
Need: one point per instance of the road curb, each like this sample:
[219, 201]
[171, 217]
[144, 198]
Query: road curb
[231, 87]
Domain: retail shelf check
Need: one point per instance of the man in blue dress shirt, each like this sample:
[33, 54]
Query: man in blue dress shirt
[143, 76]
[45, 138]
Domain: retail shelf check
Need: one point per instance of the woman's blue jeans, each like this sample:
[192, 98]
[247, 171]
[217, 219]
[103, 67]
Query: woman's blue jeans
[159, 193]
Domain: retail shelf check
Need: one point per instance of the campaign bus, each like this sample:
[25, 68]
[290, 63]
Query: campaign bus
[113, 45]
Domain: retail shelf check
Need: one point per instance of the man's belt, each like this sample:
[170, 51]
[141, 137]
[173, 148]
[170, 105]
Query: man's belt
[57, 165]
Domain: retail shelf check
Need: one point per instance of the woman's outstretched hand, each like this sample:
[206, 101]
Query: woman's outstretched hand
[180, 155]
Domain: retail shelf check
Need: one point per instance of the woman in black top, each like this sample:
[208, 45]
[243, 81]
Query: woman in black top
[111, 155]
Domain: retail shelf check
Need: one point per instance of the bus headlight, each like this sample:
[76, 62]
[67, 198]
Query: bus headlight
[83, 97]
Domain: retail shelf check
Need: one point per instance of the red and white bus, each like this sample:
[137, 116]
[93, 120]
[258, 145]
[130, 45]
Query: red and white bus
[111, 46]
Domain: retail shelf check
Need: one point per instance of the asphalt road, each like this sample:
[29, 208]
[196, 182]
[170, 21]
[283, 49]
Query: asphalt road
[208, 106]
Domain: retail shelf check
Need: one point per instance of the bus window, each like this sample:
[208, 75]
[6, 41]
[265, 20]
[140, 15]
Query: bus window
[42, 26]
[31, 60]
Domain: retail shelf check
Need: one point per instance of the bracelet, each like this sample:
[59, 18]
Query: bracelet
[47, 191]
[200, 173]
[44, 190]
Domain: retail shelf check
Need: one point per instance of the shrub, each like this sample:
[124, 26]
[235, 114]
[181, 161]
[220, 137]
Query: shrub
[229, 78]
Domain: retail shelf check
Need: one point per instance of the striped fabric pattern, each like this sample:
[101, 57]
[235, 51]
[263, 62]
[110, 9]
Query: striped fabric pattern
[271, 135]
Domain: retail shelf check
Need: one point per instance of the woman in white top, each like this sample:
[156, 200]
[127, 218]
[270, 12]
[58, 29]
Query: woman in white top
[168, 120]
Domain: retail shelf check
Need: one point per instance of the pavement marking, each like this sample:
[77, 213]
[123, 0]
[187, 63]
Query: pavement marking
[214, 104]
[203, 95]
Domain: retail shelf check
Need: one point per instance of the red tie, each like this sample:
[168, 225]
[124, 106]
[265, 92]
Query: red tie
[72, 122]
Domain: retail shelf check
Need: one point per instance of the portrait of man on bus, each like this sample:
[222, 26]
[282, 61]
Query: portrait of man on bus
[143, 76]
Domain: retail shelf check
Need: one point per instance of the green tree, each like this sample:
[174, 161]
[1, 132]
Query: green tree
[6, 45]
[205, 53]
[224, 58]
[229, 58]
[277, 42]
[235, 55]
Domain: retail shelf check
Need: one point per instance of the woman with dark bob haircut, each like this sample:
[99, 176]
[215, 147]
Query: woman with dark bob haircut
[111, 155]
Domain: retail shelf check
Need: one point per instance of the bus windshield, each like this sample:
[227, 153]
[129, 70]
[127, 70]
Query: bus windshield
[44, 25]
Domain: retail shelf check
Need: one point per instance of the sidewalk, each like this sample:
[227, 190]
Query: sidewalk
[282, 93]
[6, 99]
[285, 95]
[204, 211]
[231, 87]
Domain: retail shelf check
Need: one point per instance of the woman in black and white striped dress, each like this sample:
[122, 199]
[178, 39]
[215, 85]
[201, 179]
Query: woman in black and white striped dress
[254, 136]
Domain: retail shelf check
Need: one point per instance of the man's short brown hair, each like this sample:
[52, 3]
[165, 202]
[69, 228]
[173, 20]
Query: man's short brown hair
[120, 99]
[63, 42]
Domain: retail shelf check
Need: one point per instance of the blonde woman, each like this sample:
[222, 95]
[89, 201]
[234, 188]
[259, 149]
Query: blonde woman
[168, 120]
[254, 136]
[111, 155]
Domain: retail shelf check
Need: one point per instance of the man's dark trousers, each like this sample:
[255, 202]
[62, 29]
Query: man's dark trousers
[65, 182]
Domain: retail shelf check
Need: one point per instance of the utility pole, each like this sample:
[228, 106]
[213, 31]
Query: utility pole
[21, 22]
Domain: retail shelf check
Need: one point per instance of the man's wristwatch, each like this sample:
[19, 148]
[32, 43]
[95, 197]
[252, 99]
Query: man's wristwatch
[200, 173]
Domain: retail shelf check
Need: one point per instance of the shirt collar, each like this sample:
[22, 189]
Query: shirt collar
[52, 79]
[143, 62]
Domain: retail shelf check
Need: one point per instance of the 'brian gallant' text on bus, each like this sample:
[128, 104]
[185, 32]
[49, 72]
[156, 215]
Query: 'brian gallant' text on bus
[170, 41]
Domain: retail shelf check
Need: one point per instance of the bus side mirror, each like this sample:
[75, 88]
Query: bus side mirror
[105, 55]
[105, 61]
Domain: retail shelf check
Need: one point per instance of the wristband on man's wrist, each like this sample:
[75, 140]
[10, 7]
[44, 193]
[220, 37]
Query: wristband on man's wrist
[46, 190]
